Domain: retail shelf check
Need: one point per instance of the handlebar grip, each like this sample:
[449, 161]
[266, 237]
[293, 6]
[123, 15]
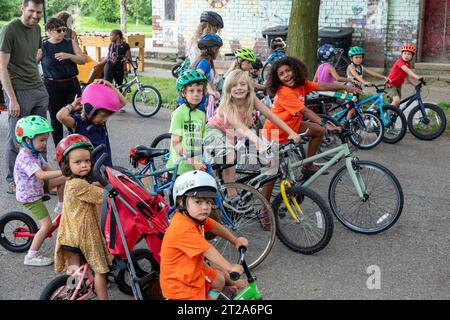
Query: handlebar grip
[235, 276]
[97, 169]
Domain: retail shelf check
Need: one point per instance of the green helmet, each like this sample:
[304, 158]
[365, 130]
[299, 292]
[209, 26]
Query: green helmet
[189, 76]
[31, 126]
[353, 51]
[246, 54]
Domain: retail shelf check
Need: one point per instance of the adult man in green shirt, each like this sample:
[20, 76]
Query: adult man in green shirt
[25, 93]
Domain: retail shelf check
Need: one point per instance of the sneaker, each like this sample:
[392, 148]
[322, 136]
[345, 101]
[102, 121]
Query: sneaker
[58, 208]
[37, 261]
[11, 188]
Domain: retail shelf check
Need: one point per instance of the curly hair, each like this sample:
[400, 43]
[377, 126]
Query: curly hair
[299, 69]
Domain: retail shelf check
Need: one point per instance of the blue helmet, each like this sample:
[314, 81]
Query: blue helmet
[209, 40]
[326, 53]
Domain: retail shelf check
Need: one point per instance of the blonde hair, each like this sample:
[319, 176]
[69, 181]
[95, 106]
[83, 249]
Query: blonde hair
[204, 28]
[227, 107]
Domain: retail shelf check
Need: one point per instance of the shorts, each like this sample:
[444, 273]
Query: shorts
[38, 208]
[210, 276]
[394, 91]
[216, 147]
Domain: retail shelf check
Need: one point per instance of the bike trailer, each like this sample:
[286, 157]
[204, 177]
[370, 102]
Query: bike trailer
[132, 214]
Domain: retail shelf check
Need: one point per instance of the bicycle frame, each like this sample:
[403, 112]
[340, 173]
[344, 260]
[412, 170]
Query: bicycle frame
[409, 100]
[25, 233]
[378, 101]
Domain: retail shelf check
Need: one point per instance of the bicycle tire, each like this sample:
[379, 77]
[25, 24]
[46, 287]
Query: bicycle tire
[29, 223]
[155, 107]
[378, 131]
[163, 141]
[174, 70]
[364, 210]
[265, 71]
[341, 65]
[288, 230]
[441, 122]
[392, 122]
[136, 256]
[248, 223]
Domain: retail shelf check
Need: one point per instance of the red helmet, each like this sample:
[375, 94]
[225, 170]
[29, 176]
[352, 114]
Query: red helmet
[72, 141]
[409, 47]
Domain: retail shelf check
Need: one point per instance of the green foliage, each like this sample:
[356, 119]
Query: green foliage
[140, 10]
[108, 11]
[10, 9]
[55, 6]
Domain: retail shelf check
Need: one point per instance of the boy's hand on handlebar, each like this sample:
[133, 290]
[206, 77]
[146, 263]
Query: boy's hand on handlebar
[241, 242]
[236, 268]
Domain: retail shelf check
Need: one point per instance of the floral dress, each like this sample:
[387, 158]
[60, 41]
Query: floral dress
[80, 226]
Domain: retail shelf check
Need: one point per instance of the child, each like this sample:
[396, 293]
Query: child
[209, 45]
[258, 82]
[326, 73]
[98, 102]
[187, 125]
[33, 178]
[234, 118]
[210, 22]
[184, 274]
[401, 71]
[115, 66]
[356, 70]
[80, 222]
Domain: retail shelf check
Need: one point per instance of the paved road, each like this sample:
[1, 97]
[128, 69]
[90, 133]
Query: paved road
[413, 256]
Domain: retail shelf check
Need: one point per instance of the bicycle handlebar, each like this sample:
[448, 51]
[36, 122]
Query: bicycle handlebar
[98, 172]
[236, 275]
[97, 150]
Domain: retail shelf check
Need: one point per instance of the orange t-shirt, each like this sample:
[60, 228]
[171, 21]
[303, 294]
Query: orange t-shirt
[182, 269]
[287, 105]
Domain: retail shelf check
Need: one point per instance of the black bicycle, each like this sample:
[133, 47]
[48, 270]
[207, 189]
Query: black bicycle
[426, 121]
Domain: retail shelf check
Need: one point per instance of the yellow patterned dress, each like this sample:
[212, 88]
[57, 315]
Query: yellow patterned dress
[80, 226]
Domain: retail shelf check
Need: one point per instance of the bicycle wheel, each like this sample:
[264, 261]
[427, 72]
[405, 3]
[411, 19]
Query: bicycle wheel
[341, 65]
[163, 141]
[266, 70]
[394, 122]
[253, 219]
[383, 201]
[315, 227]
[62, 288]
[175, 71]
[16, 222]
[429, 128]
[146, 101]
[370, 134]
[144, 264]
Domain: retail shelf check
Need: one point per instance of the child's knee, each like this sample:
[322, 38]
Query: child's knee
[219, 282]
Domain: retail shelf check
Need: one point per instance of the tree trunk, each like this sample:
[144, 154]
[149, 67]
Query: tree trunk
[123, 16]
[303, 32]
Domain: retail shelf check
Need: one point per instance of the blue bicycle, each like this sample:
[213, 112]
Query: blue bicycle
[248, 215]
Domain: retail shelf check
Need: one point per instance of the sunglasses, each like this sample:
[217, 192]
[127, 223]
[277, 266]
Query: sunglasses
[61, 30]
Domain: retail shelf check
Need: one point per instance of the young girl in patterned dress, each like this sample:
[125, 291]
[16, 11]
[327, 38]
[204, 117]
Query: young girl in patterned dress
[80, 222]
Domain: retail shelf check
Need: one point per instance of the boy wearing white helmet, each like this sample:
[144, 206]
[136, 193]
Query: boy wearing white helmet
[184, 274]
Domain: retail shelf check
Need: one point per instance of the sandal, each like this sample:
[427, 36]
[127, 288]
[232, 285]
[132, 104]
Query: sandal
[11, 188]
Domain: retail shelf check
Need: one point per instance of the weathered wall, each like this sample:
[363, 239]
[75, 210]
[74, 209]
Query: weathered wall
[381, 26]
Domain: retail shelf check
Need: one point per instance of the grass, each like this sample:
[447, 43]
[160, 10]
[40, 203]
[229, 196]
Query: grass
[446, 107]
[89, 24]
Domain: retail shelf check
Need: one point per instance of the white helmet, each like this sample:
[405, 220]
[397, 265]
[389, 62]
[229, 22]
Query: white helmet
[195, 184]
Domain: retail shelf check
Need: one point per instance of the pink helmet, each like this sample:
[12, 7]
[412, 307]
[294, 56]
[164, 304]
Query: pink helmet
[99, 96]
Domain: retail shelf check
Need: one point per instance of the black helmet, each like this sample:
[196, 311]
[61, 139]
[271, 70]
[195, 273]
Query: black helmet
[209, 40]
[213, 18]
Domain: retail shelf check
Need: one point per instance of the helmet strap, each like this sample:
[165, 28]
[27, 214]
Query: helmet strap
[183, 209]
[30, 146]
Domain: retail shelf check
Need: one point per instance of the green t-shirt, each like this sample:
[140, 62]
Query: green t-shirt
[190, 126]
[22, 43]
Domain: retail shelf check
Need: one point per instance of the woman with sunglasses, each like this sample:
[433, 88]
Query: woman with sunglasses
[59, 58]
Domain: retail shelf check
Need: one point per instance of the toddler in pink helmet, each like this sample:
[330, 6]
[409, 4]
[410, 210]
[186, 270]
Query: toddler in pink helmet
[87, 115]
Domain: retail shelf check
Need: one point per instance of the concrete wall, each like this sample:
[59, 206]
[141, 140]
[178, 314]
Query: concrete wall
[381, 26]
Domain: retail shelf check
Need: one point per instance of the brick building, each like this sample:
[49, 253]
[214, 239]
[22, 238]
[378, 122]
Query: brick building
[381, 26]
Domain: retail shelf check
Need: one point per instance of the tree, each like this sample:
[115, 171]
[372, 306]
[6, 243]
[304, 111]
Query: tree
[303, 32]
[123, 15]
[9, 9]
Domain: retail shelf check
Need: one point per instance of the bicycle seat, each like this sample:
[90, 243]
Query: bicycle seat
[75, 250]
[143, 152]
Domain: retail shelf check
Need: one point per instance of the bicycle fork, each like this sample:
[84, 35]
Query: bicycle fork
[283, 185]
[355, 175]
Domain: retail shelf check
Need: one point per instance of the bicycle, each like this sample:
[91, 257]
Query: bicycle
[251, 216]
[341, 62]
[426, 121]
[178, 68]
[363, 195]
[146, 100]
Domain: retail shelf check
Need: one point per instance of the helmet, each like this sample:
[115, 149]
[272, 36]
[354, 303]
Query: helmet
[189, 76]
[72, 141]
[245, 54]
[99, 96]
[31, 126]
[257, 64]
[212, 18]
[209, 40]
[278, 43]
[409, 47]
[326, 52]
[353, 51]
[195, 184]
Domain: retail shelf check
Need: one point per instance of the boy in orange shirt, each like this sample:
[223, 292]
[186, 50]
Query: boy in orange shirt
[184, 274]
[401, 71]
